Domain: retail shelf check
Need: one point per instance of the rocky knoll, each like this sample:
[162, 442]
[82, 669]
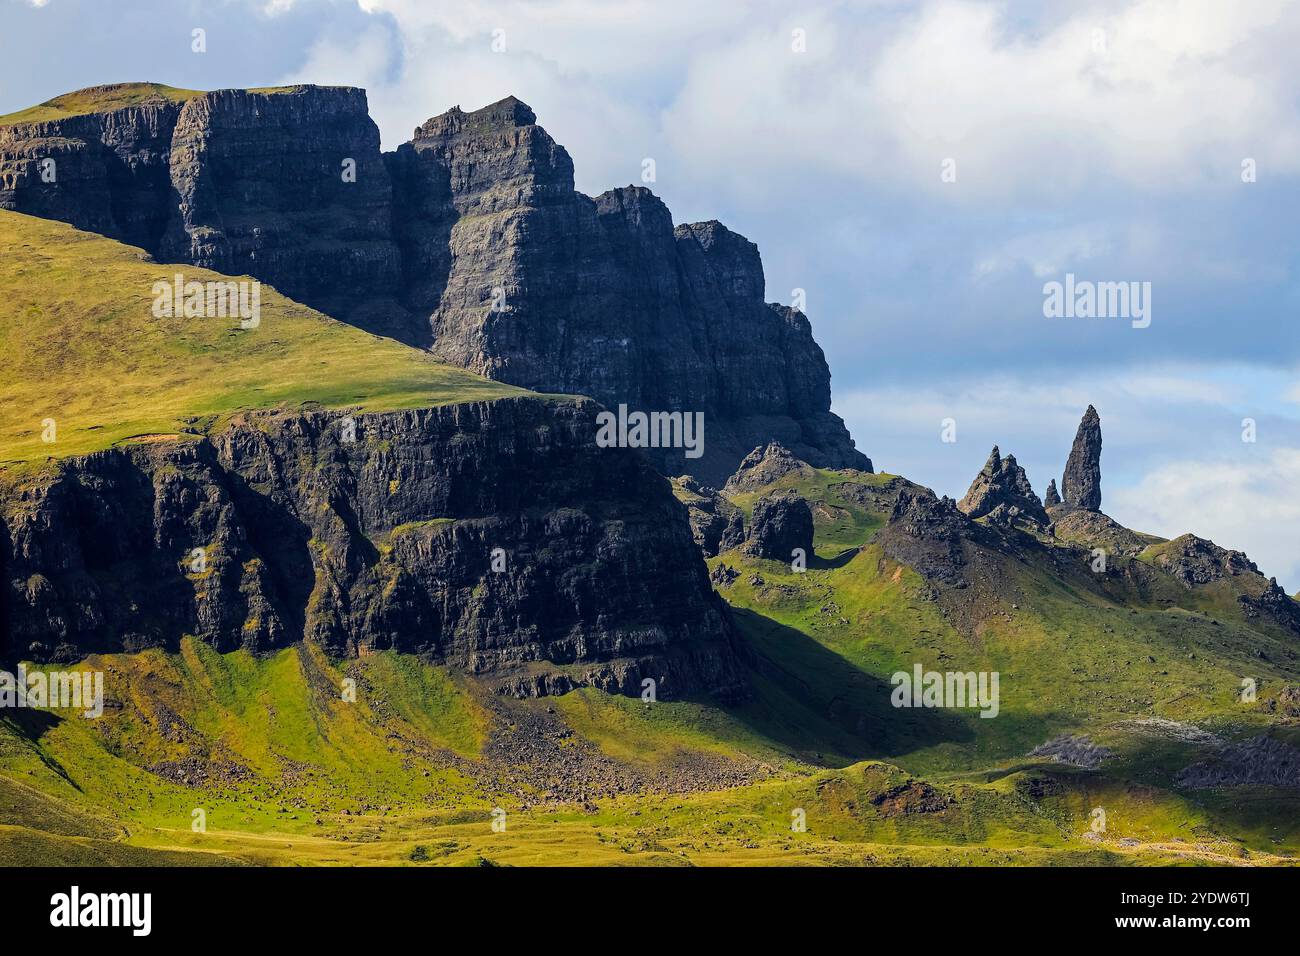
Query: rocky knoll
[1002, 492]
[470, 239]
[929, 535]
[763, 466]
[485, 535]
[1195, 561]
[781, 524]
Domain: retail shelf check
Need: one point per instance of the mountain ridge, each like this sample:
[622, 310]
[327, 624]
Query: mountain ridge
[470, 239]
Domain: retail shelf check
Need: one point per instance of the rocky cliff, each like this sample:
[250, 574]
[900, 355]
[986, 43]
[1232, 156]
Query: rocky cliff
[494, 536]
[470, 239]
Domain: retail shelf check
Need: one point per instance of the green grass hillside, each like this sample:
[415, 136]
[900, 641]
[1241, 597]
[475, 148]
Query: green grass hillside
[287, 771]
[79, 344]
[284, 766]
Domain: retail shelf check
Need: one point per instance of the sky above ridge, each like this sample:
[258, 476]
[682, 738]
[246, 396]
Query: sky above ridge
[920, 170]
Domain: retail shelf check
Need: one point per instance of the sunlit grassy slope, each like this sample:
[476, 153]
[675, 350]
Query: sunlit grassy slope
[394, 777]
[79, 345]
[286, 770]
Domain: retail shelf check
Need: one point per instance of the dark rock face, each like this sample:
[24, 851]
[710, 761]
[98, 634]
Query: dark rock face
[927, 533]
[110, 170]
[711, 516]
[470, 239]
[388, 541]
[1081, 483]
[733, 535]
[1053, 497]
[1002, 491]
[780, 524]
[262, 186]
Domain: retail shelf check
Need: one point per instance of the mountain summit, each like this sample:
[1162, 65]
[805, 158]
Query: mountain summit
[469, 240]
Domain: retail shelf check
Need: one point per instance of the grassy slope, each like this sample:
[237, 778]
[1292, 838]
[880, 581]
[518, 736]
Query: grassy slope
[289, 772]
[825, 643]
[841, 522]
[79, 344]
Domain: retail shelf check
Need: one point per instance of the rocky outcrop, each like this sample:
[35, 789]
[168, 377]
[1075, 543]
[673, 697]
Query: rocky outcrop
[780, 525]
[493, 536]
[711, 516]
[1275, 605]
[1052, 498]
[1196, 561]
[1001, 491]
[733, 535]
[927, 534]
[1093, 529]
[470, 240]
[764, 466]
[1081, 483]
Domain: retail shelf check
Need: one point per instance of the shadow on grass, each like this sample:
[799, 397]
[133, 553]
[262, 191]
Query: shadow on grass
[830, 564]
[31, 725]
[823, 708]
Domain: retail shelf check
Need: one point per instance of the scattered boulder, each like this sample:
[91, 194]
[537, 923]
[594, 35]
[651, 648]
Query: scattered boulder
[780, 524]
[1262, 761]
[1078, 751]
[1081, 483]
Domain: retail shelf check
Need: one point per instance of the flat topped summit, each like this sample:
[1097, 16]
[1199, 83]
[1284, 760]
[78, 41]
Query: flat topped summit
[510, 111]
[110, 97]
[100, 99]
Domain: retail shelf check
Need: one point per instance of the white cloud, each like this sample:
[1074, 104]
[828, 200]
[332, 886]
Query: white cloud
[1249, 505]
[1183, 91]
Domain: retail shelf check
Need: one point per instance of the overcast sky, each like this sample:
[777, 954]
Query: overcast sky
[1107, 142]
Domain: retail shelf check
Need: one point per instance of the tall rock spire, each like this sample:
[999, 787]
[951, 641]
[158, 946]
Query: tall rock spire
[1081, 483]
[1053, 497]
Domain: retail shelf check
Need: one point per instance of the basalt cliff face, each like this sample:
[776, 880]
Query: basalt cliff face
[485, 535]
[470, 240]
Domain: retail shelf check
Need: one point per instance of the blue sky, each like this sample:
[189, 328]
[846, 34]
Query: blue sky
[1100, 138]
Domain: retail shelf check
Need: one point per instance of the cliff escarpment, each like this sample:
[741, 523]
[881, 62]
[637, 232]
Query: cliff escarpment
[486, 535]
[470, 240]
